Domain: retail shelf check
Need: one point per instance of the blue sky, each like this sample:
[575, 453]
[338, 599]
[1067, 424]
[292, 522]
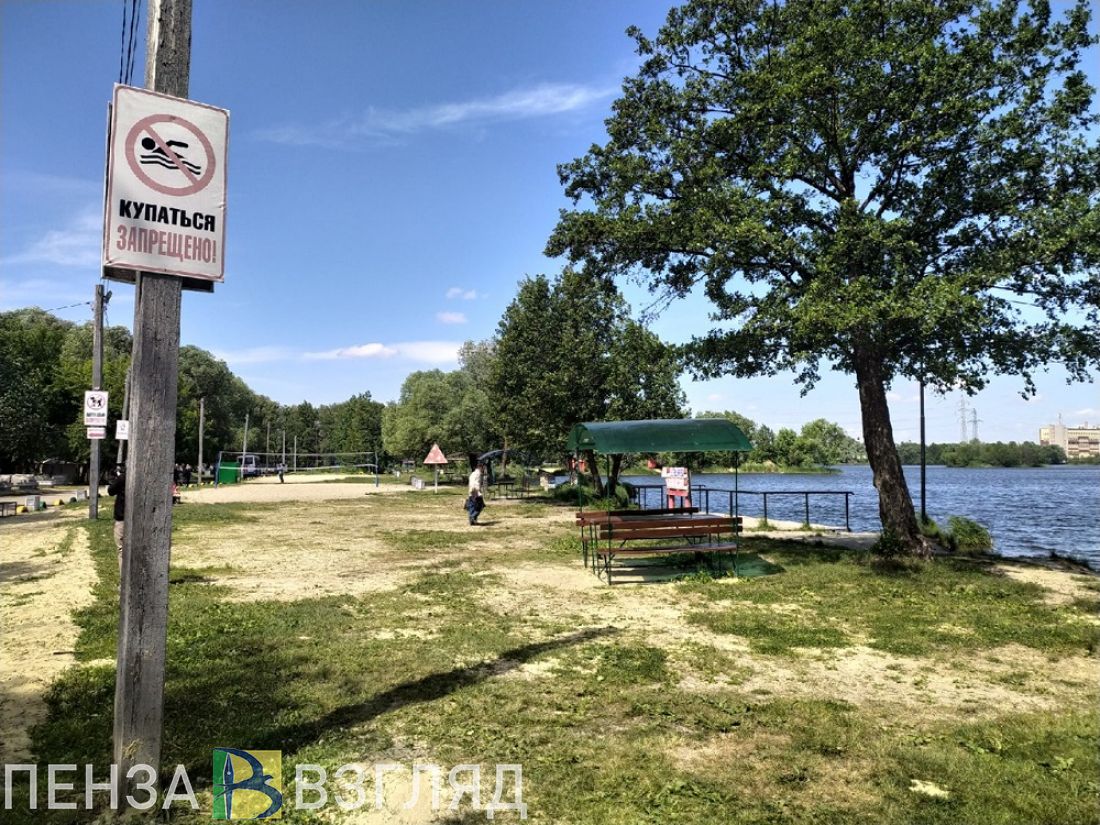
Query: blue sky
[391, 179]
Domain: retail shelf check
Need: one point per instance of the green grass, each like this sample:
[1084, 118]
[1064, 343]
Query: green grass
[415, 541]
[606, 734]
[909, 608]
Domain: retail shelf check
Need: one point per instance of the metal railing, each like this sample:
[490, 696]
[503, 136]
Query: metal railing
[701, 495]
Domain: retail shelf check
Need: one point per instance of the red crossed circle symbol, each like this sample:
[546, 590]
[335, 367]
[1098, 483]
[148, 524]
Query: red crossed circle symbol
[195, 183]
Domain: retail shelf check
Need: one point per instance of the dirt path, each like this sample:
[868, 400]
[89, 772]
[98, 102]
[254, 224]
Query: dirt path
[314, 487]
[46, 573]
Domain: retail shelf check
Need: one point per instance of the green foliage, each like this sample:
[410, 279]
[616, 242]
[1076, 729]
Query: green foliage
[576, 494]
[567, 352]
[980, 454]
[888, 546]
[860, 185]
[967, 536]
[448, 408]
[48, 366]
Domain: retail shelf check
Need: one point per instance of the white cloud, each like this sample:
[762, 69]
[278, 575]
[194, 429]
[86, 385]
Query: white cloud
[715, 396]
[1086, 412]
[79, 244]
[383, 126]
[428, 352]
[374, 350]
[459, 292]
[450, 318]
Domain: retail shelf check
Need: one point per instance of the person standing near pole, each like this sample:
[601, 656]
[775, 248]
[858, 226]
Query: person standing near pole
[117, 488]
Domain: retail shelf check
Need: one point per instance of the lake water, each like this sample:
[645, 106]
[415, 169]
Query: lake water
[1030, 512]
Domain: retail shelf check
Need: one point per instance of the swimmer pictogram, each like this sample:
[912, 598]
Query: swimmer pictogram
[174, 145]
[155, 154]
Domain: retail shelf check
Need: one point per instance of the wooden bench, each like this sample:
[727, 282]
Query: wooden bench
[589, 521]
[7, 508]
[662, 536]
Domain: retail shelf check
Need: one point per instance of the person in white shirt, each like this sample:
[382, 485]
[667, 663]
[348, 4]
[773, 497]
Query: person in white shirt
[475, 501]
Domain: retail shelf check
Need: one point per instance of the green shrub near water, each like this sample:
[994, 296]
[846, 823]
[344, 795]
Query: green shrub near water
[570, 494]
[967, 536]
[962, 535]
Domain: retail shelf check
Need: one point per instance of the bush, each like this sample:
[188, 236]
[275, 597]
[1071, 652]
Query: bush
[570, 494]
[930, 530]
[967, 536]
[888, 545]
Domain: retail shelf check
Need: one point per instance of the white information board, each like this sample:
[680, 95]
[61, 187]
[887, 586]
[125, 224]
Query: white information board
[95, 408]
[166, 187]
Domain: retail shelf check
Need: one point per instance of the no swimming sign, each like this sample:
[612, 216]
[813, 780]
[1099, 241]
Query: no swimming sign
[166, 188]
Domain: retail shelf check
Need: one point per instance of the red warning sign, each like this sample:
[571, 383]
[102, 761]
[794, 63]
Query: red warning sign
[435, 456]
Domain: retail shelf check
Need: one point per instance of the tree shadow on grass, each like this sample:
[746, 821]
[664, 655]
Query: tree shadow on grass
[664, 569]
[427, 689]
[14, 572]
[237, 702]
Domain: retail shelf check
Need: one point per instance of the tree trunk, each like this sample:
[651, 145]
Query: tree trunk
[895, 506]
[594, 470]
[613, 475]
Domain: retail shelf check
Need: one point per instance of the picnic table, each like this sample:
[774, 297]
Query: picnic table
[663, 531]
[513, 487]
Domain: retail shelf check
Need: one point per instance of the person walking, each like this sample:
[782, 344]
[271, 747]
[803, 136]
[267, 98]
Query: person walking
[475, 501]
[117, 488]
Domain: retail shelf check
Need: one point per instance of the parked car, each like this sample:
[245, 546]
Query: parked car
[250, 466]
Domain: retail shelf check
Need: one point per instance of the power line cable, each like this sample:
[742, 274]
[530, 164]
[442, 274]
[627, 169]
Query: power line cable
[135, 13]
[69, 306]
[122, 46]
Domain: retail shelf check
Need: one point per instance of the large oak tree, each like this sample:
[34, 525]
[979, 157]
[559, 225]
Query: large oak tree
[893, 188]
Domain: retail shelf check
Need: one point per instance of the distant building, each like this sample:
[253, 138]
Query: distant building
[1078, 442]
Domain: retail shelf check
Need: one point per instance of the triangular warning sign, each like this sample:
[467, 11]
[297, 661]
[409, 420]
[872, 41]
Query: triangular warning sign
[435, 456]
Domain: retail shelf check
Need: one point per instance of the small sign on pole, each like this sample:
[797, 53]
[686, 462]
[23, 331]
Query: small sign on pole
[97, 433]
[435, 458]
[677, 484]
[95, 408]
[122, 430]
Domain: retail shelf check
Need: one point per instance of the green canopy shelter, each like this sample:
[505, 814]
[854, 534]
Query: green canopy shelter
[660, 435]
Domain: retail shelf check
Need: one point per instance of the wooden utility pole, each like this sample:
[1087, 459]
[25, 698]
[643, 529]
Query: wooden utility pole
[143, 619]
[202, 429]
[97, 384]
[244, 450]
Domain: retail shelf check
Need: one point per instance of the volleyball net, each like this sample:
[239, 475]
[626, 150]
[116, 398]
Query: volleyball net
[235, 465]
